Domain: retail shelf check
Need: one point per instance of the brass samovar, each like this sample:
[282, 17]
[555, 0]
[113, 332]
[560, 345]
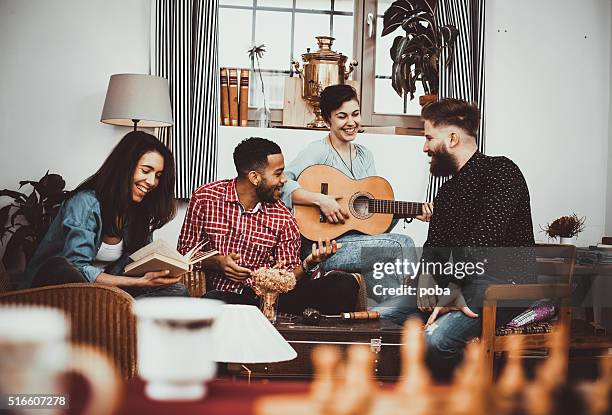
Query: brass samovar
[321, 69]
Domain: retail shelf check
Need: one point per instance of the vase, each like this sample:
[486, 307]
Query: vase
[563, 240]
[268, 304]
[262, 117]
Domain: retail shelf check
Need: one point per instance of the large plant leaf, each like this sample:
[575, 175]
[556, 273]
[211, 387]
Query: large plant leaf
[420, 24]
[51, 184]
[449, 34]
[34, 216]
[396, 14]
[30, 182]
[14, 247]
[48, 185]
[4, 214]
[31, 211]
[429, 5]
[18, 196]
[4, 217]
[395, 47]
[394, 78]
[430, 74]
[54, 200]
[401, 49]
[410, 78]
[427, 41]
[29, 247]
[416, 55]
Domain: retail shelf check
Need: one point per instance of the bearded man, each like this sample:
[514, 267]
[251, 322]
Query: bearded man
[483, 207]
[244, 219]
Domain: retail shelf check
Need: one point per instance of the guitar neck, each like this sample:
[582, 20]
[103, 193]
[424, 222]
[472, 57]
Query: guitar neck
[394, 207]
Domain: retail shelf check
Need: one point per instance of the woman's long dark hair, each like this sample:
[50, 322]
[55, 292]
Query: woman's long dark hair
[113, 186]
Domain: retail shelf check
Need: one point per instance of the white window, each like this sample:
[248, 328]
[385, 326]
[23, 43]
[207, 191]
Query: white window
[288, 28]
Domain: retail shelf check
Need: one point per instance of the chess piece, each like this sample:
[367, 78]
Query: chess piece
[356, 394]
[512, 380]
[601, 390]
[470, 389]
[413, 392]
[325, 361]
[539, 394]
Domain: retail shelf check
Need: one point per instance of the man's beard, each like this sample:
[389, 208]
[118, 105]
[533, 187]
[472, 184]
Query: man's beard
[265, 193]
[442, 163]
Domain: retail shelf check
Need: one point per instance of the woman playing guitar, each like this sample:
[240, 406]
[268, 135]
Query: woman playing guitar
[340, 109]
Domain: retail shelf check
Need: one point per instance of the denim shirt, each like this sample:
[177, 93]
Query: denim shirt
[76, 234]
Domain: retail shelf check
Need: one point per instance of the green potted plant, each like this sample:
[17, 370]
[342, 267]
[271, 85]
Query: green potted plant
[416, 53]
[24, 221]
[564, 228]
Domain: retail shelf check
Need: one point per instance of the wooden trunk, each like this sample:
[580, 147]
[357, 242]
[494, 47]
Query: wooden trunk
[382, 336]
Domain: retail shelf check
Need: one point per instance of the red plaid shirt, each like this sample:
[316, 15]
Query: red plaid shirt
[262, 236]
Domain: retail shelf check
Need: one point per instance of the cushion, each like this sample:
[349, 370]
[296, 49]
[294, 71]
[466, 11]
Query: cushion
[541, 310]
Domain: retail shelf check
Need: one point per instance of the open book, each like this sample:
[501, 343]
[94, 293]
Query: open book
[160, 256]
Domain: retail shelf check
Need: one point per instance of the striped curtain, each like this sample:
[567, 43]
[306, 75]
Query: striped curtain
[464, 78]
[184, 40]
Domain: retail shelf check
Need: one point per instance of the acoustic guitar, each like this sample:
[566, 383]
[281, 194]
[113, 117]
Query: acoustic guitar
[369, 203]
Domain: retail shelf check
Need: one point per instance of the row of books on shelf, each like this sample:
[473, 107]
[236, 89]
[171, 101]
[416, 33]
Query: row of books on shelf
[234, 96]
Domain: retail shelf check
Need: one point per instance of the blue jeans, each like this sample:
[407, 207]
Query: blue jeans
[397, 308]
[386, 247]
[174, 290]
[446, 337]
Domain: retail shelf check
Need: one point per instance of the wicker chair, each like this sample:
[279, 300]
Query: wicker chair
[553, 260]
[100, 315]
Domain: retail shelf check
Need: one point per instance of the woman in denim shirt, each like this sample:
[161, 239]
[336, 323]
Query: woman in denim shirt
[109, 216]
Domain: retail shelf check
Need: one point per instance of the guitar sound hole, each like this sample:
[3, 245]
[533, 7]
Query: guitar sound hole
[359, 207]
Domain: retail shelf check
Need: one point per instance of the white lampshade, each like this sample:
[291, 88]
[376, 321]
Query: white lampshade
[242, 334]
[137, 97]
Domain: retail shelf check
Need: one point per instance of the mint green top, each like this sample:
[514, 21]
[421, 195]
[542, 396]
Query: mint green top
[321, 152]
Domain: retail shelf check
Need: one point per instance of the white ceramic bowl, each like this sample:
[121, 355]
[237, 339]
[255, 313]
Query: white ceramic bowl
[175, 345]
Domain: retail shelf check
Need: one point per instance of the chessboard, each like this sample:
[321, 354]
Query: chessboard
[343, 384]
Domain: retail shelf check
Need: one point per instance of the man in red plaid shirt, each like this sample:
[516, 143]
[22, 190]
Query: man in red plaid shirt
[245, 220]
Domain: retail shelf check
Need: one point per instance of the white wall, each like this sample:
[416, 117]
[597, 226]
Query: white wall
[548, 89]
[547, 105]
[398, 159]
[56, 61]
[608, 189]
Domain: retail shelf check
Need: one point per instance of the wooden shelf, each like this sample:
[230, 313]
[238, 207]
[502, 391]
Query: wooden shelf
[367, 130]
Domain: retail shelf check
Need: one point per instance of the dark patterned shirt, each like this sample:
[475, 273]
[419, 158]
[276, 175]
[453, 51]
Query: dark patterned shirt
[486, 204]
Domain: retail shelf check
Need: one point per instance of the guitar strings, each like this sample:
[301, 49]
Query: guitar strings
[389, 206]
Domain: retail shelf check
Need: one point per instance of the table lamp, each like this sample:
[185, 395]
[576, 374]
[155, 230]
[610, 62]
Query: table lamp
[242, 334]
[137, 99]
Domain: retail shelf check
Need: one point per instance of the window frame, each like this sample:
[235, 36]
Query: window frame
[367, 74]
[364, 51]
